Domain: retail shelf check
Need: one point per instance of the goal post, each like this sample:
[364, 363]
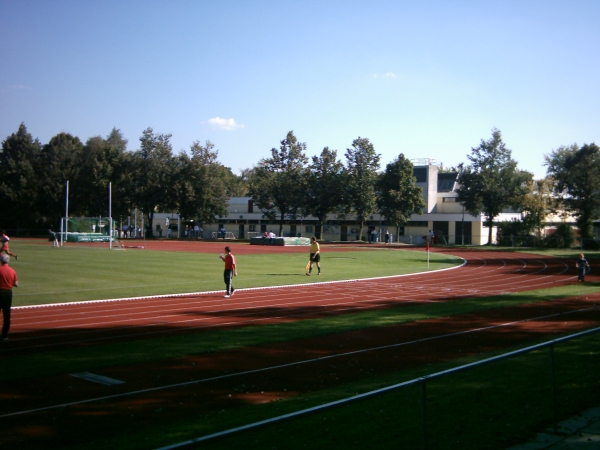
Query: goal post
[218, 235]
[86, 229]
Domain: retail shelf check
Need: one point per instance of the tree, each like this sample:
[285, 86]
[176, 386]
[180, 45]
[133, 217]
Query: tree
[398, 196]
[362, 164]
[236, 185]
[537, 204]
[19, 183]
[276, 184]
[200, 185]
[154, 173]
[104, 161]
[492, 182]
[576, 172]
[59, 163]
[324, 185]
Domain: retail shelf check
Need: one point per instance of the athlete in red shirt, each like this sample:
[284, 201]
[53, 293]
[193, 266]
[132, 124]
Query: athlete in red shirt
[8, 280]
[230, 271]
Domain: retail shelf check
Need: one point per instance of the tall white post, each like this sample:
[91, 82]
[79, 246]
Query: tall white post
[110, 232]
[67, 212]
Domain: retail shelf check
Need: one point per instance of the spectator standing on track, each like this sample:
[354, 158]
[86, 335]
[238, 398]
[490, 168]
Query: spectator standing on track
[315, 256]
[4, 238]
[8, 280]
[582, 266]
[53, 238]
[230, 271]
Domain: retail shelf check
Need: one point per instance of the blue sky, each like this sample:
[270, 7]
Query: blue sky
[429, 79]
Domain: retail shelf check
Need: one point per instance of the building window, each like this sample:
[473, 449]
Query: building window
[420, 174]
[450, 199]
[309, 229]
[251, 227]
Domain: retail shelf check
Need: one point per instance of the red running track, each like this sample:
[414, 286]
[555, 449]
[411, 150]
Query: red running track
[483, 274]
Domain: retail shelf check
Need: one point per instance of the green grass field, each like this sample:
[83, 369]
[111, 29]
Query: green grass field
[492, 407]
[55, 275]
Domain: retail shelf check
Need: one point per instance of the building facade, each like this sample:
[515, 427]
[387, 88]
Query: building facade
[443, 218]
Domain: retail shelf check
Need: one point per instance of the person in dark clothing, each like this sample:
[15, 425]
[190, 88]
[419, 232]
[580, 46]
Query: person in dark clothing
[582, 268]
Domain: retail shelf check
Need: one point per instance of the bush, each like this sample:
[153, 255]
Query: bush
[590, 244]
[563, 237]
[514, 233]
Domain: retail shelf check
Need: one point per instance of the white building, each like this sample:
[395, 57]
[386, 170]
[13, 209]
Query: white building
[442, 215]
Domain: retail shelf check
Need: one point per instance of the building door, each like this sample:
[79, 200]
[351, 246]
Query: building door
[292, 230]
[242, 234]
[318, 231]
[343, 233]
[440, 232]
[463, 233]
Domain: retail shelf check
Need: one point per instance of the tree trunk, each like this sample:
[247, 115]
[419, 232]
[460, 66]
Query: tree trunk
[280, 234]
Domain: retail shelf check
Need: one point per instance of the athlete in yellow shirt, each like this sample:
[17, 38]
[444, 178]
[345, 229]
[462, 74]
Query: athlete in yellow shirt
[315, 255]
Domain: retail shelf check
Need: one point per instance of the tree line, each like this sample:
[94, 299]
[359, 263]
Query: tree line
[286, 185]
[152, 178]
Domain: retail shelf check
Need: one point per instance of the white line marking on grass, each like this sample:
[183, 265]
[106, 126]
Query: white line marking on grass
[220, 291]
[281, 366]
[97, 378]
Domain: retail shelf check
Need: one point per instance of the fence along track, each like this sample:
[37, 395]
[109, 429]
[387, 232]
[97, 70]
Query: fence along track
[422, 381]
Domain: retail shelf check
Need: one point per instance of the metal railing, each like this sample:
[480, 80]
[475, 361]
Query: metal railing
[421, 381]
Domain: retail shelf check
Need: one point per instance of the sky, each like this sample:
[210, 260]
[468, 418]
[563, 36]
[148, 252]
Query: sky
[429, 79]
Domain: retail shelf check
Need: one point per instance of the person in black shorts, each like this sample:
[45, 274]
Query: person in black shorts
[315, 256]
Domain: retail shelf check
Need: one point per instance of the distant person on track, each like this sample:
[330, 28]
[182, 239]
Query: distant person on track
[4, 238]
[53, 238]
[315, 256]
[8, 280]
[230, 271]
[582, 266]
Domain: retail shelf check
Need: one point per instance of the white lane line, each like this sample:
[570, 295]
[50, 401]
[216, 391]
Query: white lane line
[49, 305]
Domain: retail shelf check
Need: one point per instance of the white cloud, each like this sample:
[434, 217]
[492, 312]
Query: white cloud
[384, 75]
[224, 124]
[15, 87]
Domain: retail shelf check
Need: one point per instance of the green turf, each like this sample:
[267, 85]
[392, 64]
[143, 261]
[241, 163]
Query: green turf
[490, 407]
[55, 275]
